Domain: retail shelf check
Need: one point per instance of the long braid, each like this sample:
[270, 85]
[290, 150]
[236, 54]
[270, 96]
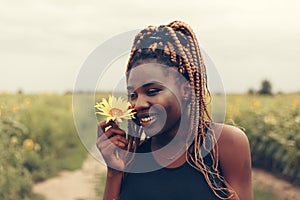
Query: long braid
[187, 66]
[176, 45]
[200, 137]
[200, 86]
[199, 106]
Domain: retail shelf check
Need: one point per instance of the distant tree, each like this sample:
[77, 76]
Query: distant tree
[20, 91]
[266, 88]
[68, 92]
[280, 92]
[251, 91]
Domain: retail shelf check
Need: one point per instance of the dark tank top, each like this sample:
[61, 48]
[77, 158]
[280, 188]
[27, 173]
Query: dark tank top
[180, 183]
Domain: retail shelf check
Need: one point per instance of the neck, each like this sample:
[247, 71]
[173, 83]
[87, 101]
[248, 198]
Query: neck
[178, 134]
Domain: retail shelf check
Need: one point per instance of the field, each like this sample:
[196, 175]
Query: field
[38, 138]
[272, 124]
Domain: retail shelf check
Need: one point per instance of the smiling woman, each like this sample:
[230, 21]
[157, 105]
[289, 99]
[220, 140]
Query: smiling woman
[156, 96]
[185, 154]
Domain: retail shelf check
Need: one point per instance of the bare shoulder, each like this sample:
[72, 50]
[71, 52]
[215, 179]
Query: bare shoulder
[230, 137]
[233, 145]
[235, 158]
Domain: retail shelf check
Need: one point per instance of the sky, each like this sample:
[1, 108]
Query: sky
[45, 43]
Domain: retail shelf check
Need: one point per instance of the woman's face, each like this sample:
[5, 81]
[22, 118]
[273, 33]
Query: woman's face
[156, 94]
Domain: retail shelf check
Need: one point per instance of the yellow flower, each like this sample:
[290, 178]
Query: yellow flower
[27, 101]
[270, 119]
[255, 104]
[115, 109]
[37, 147]
[15, 108]
[295, 103]
[28, 144]
[14, 140]
[297, 119]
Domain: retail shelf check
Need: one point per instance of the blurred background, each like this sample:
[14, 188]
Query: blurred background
[253, 44]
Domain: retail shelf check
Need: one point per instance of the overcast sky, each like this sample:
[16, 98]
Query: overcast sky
[44, 43]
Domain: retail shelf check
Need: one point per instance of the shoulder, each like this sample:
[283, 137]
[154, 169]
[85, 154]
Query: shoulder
[233, 145]
[234, 158]
[230, 137]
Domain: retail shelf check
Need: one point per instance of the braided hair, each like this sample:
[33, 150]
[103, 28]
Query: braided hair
[176, 45]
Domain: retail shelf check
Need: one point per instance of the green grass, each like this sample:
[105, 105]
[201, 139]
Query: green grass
[37, 197]
[37, 140]
[272, 124]
[264, 193]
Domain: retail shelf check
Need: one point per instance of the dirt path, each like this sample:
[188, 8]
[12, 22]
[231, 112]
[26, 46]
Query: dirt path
[282, 189]
[80, 184]
[74, 185]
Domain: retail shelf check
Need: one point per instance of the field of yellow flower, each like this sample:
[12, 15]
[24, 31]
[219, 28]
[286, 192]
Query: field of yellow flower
[37, 140]
[38, 137]
[272, 124]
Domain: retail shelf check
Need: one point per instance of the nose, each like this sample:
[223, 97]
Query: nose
[141, 103]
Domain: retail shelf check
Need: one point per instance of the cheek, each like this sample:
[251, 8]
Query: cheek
[174, 107]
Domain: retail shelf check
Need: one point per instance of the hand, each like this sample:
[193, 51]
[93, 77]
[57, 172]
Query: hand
[111, 142]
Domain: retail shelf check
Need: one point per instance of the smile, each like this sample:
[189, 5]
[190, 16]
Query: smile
[147, 120]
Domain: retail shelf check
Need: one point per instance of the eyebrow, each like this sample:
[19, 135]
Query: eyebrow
[145, 85]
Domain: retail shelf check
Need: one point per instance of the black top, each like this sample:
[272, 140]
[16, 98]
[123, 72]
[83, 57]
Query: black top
[181, 183]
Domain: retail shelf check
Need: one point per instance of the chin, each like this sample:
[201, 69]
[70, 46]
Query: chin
[151, 132]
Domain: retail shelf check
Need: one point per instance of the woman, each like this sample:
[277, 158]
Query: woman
[192, 157]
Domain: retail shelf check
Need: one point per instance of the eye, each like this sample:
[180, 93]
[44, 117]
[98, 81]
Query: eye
[131, 96]
[153, 91]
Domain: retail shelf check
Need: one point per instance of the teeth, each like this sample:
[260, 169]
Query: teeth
[146, 119]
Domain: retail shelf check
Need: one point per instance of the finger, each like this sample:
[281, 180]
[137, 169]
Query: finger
[111, 133]
[108, 150]
[104, 124]
[103, 127]
[105, 147]
[112, 152]
[115, 131]
[117, 141]
[106, 128]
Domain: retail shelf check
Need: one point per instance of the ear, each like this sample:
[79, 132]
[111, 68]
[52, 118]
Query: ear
[185, 90]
